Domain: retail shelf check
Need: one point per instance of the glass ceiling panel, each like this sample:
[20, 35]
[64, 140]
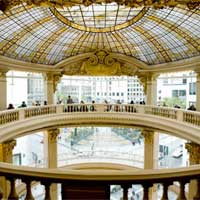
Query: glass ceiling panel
[38, 35]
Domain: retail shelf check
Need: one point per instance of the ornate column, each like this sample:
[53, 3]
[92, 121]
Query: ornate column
[50, 153]
[50, 83]
[3, 90]
[198, 90]
[6, 154]
[151, 144]
[149, 82]
[194, 158]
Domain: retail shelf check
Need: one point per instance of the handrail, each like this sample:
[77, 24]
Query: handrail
[192, 117]
[138, 175]
[74, 178]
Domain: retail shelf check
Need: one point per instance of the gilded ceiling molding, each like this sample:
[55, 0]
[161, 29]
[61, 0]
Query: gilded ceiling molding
[99, 30]
[191, 4]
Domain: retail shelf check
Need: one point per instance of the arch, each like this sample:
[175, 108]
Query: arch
[30, 125]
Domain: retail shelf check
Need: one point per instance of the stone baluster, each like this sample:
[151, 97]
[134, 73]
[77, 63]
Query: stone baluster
[13, 194]
[165, 191]
[181, 195]
[197, 195]
[29, 195]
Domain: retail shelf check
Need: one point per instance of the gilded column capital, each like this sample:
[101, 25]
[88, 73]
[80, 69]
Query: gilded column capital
[147, 78]
[52, 78]
[3, 74]
[148, 136]
[194, 151]
[52, 134]
[8, 147]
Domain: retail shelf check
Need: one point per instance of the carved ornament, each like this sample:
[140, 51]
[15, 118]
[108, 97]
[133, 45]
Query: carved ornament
[54, 78]
[100, 63]
[194, 152]
[8, 147]
[52, 134]
[191, 4]
[148, 136]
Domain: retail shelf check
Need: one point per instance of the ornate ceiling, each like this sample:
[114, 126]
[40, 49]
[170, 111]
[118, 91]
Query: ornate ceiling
[49, 35]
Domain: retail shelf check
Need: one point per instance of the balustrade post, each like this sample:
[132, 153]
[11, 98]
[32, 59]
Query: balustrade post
[13, 194]
[29, 195]
[181, 195]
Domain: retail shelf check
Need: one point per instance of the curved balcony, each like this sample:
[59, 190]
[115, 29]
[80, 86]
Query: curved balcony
[181, 123]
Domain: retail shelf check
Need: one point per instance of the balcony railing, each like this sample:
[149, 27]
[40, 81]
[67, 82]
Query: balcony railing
[192, 117]
[125, 178]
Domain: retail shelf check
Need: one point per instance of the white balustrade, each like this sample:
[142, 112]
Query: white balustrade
[192, 117]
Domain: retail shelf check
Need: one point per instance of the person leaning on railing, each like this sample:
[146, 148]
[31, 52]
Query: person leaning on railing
[10, 106]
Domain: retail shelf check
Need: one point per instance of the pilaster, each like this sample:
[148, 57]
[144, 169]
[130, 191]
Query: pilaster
[50, 83]
[50, 153]
[194, 158]
[149, 82]
[6, 154]
[151, 144]
[198, 90]
[3, 90]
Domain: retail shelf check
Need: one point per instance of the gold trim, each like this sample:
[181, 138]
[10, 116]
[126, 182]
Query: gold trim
[99, 30]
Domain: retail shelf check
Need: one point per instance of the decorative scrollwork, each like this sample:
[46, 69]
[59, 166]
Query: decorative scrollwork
[109, 60]
[93, 60]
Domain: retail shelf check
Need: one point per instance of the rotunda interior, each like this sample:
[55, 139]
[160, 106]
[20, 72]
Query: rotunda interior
[123, 140]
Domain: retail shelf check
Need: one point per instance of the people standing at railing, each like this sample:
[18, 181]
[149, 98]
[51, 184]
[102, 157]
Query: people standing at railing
[70, 101]
[117, 106]
[108, 107]
[45, 103]
[83, 108]
[23, 105]
[130, 108]
[177, 106]
[192, 107]
[10, 106]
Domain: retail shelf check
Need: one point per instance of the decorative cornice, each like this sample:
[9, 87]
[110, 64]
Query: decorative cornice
[158, 4]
